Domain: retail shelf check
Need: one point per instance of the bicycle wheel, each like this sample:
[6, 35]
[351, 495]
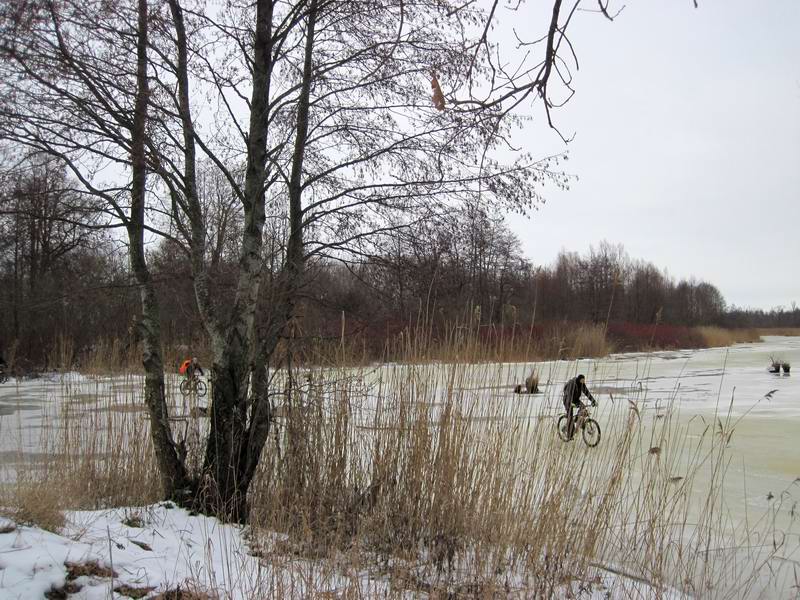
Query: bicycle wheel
[185, 387]
[561, 427]
[200, 388]
[591, 433]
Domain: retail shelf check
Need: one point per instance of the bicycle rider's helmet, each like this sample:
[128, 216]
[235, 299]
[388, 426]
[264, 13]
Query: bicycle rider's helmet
[579, 377]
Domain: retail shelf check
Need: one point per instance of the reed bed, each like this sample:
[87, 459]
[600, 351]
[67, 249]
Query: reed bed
[719, 336]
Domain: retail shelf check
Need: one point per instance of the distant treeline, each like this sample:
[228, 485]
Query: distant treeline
[63, 276]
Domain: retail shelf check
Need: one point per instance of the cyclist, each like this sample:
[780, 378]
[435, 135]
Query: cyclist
[573, 390]
[3, 367]
[190, 368]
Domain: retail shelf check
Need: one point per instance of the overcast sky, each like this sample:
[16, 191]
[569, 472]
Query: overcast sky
[687, 145]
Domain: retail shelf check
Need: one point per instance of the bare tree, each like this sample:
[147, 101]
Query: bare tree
[325, 107]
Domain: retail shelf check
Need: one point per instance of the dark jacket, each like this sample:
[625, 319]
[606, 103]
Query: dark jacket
[194, 368]
[573, 391]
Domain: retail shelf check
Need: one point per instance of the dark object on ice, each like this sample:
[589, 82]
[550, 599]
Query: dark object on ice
[786, 367]
[775, 367]
[531, 385]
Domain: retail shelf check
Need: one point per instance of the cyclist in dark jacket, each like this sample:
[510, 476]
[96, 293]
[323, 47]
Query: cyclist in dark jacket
[194, 368]
[573, 390]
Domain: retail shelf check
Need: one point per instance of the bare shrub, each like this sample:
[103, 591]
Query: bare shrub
[133, 592]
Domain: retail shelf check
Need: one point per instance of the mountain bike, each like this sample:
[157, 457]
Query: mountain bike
[590, 430]
[193, 386]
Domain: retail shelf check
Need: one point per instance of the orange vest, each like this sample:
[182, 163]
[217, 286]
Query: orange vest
[184, 365]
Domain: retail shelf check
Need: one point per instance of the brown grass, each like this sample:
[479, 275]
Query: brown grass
[88, 569]
[63, 592]
[789, 331]
[133, 592]
[36, 505]
[716, 337]
[186, 592]
[76, 570]
[469, 342]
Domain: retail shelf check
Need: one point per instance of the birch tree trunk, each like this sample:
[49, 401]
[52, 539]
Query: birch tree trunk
[224, 490]
[171, 468]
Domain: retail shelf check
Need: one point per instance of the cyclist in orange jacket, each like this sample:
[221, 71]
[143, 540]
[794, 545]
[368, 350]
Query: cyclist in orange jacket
[190, 368]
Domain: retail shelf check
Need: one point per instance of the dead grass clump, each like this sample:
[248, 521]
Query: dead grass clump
[718, 337]
[88, 569]
[587, 341]
[133, 519]
[90, 458]
[76, 570]
[144, 546]
[133, 592]
[36, 504]
[432, 475]
[63, 592]
[788, 331]
[187, 591]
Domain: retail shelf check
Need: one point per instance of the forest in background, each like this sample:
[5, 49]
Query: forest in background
[64, 277]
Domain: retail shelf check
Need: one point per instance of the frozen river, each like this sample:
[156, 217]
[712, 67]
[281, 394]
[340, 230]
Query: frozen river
[698, 385]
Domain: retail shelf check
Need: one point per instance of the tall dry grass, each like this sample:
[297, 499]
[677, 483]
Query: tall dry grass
[469, 341]
[435, 477]
[458, 487]
[116, 357]
[716, 337]
[789, 331]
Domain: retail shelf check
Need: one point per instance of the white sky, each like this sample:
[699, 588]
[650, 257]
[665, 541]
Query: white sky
[687, 145]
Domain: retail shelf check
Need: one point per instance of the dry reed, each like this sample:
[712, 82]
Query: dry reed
[716, 337]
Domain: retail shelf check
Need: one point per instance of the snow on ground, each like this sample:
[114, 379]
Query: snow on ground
[149, 550]
[157, 547]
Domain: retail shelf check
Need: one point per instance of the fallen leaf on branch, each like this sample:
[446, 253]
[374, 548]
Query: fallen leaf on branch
[438, 96]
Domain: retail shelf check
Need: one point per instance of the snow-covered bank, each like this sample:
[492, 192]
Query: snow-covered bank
[151, 549]
[146, 552]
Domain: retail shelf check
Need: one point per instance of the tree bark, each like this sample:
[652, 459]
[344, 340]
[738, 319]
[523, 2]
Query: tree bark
[224, 490]
[171, 468]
